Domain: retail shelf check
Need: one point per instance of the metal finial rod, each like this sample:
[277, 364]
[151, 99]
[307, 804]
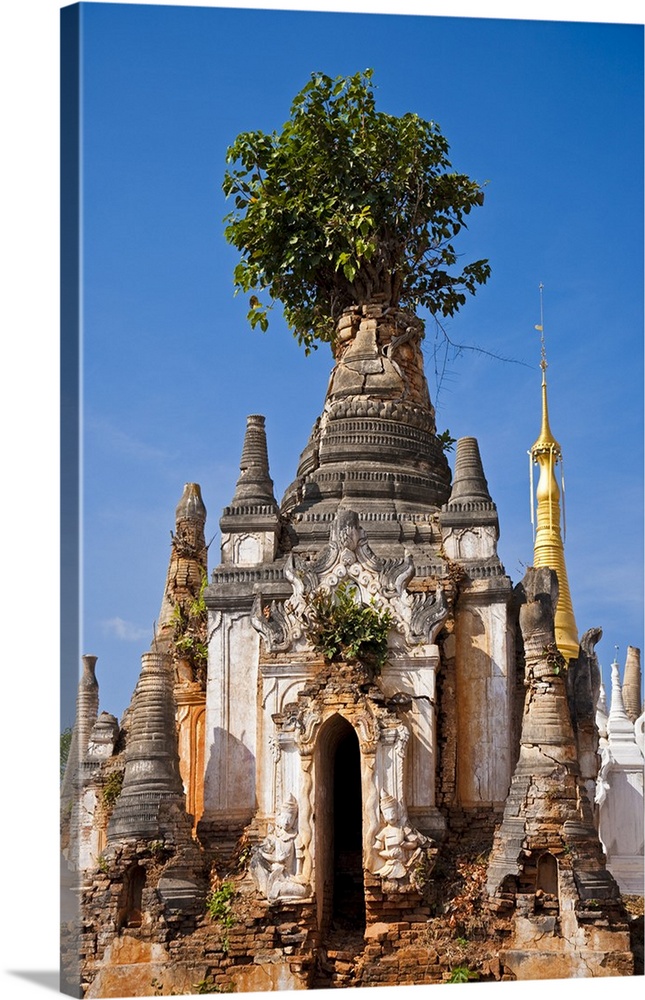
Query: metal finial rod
[543, 361]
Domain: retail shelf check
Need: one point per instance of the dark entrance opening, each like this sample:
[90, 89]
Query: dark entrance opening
[130, 900]
[348, 907]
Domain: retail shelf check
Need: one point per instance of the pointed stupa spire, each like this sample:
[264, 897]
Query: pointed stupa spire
[619, 727]
[255, 486]
[151, 802]
[188, 559]
[469, 483]
[548, 546]
[191, 509]
[632, 683]
[87, 704]
[87, 708]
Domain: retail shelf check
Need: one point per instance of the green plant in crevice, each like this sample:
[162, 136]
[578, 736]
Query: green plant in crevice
[190, 629]
[112, 788]
[462, 974]
[219, 905]
[446, 440]
[156, 847]
[208, 985]
[340, 626]
[554, 658]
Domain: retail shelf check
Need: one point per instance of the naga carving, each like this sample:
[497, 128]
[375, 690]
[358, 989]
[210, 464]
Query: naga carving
[273, 624]
[429, 612]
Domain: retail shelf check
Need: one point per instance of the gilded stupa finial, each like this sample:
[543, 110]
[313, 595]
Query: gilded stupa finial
[548, 544]
[546, 440]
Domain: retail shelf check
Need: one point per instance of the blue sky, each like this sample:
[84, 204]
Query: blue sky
[547, 115]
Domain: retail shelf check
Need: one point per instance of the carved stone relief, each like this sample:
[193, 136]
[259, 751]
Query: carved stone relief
[383, 741]
[397, 844]
[276, 865]
[470, 543]
[383, 582]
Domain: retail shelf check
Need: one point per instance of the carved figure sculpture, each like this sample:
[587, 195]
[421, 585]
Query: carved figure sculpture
[399, 845]
[277, 860]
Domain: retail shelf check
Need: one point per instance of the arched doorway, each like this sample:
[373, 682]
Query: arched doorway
[348, 911]
[339, 829]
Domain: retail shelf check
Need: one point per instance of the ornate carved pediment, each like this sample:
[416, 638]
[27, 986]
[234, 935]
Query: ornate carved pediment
[349, 554]
[348, 557]
[375, 721]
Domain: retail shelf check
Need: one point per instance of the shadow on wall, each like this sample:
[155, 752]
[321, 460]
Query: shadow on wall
[229, 781]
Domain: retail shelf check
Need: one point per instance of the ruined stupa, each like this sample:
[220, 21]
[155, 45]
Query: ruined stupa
[377, 696]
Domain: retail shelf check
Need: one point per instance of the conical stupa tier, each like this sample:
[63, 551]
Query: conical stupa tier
[375, 448]
[87, 707]
[469, 484]
[250, 525]
[188, 559]
[632, 684]
[152, 791]
[254, 486]
[191, 509]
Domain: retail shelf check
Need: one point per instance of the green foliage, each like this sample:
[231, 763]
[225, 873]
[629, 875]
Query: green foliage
[198, 607]
[446, 440]
[65, 746]
[554, 658]
[219, 904]
[344, 204]
[189, 628]
[340, 627]
[112, 788]
[209, 985]
[462, 974]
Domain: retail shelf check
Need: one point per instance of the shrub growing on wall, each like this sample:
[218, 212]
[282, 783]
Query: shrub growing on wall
[342, 628]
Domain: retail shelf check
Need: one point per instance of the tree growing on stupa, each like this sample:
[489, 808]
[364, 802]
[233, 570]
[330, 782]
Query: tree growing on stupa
[345, 206]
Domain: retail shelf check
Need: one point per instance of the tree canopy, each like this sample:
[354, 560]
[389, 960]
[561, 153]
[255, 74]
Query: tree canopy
[344, 206]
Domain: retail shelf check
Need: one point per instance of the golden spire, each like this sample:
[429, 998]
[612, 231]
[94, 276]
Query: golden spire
[548, 545]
